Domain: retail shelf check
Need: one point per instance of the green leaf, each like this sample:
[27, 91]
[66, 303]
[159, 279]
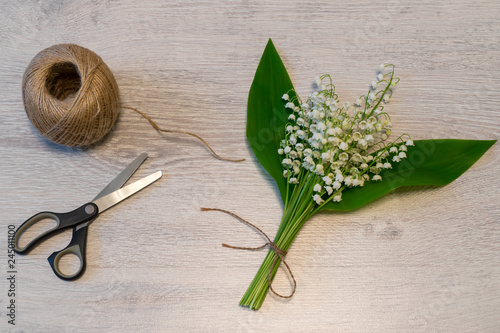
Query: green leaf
[429, 162]
[266, 114]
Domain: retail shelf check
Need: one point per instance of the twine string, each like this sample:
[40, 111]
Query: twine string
[280, 253]
[160, 129]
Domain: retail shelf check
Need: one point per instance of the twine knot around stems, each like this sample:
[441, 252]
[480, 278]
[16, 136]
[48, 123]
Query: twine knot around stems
[280, 253]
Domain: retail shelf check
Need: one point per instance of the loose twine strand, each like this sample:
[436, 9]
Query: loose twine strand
[279, 252]
[158, 128]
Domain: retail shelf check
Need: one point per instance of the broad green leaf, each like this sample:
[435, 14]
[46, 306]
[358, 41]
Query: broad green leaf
[266, 114]
[429, 162]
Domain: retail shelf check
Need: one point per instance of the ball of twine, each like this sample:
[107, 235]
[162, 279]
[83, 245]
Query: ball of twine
[70, 95]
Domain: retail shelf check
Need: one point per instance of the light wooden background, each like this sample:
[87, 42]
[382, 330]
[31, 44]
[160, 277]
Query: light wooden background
[418, 260]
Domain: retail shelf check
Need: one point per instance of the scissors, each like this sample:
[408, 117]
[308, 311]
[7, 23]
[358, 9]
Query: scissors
[81, 217]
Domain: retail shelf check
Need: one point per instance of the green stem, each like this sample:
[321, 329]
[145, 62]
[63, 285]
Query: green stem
[290, 225]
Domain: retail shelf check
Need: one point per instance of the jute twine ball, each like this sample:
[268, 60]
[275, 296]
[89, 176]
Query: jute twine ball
[70, 95]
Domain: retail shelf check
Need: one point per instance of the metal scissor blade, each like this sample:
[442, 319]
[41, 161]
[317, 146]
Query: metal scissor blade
[118, 181]
[122, 178]
[115, 197]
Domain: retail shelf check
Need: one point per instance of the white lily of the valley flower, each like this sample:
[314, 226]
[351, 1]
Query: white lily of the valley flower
[329, 190]
[343, 156]
[327, 180]
[339, 177]
[363, 143]
[317, 199]
[319, 169]
[326, 156]
[343, 146]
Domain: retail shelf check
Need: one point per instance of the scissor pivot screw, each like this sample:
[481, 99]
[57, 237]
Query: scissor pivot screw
[90, 209]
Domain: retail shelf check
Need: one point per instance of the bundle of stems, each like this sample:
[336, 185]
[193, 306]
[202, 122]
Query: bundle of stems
[298, 209]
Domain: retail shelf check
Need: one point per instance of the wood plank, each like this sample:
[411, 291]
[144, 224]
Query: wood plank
[417, 260]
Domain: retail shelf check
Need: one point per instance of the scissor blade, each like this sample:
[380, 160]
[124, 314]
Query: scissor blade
[122, 178]
[118, 182]
[115, 197]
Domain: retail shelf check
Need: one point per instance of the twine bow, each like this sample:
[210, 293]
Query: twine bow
[280, 253]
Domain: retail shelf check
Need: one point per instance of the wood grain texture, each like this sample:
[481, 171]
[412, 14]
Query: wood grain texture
[417, 260]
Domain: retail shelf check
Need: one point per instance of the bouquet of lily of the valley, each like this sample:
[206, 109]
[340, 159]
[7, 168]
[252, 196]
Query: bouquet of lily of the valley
[325, 155]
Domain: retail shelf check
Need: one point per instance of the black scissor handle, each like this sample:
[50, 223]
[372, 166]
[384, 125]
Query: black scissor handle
[63, 220]
[76, 247]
